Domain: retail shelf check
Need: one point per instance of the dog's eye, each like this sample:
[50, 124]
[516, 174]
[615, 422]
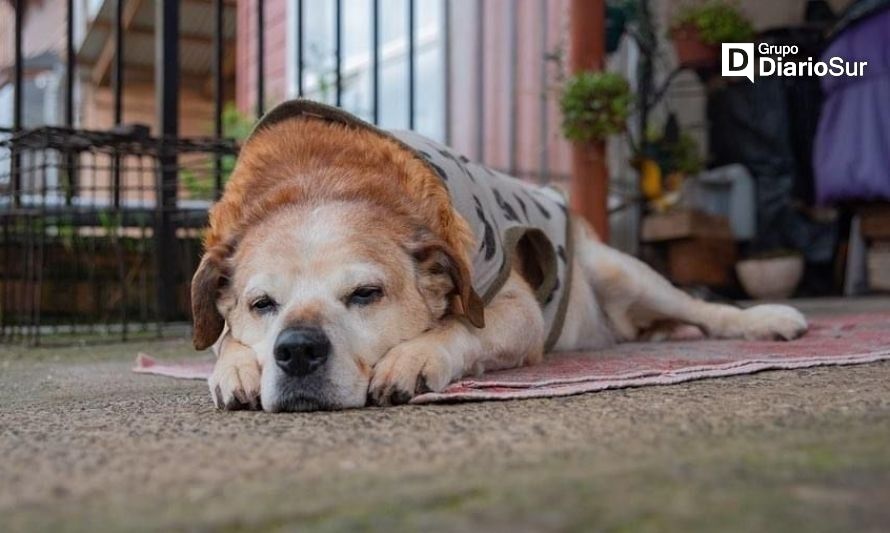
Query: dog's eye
[365, 295]
[263, 305]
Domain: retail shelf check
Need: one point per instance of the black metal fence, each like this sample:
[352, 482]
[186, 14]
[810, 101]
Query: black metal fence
[100, 230]
[82, 255]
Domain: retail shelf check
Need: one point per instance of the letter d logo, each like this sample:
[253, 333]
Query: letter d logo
[738, 60]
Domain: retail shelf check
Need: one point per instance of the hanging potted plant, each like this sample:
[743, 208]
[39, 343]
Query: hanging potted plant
[594, 106]
[698, 30]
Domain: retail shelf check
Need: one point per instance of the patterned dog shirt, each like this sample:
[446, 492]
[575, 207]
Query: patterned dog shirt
[511, 220]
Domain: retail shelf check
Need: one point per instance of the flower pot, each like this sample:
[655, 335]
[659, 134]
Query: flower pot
[770, 279]
[691, 51]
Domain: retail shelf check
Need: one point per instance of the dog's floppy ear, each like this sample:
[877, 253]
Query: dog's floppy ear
[447, 278]
[208, 283]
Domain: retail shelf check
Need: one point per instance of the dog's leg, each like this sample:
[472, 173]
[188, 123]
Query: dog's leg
[513, 335]
[235, 381]
[634, 297]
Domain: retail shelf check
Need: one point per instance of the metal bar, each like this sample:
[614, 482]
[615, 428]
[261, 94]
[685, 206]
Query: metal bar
[480, 81]
[18, 71]
[260, 59]
[117, 82]
[17, 102]
[543, 132]
[69, 66]
[338, 50]
[300, 25]
[70, 59]
[644, 69]
[118, 78]
[375, 59]
[411, 61]
[26, 301]
[5, 290]
[39, 260]
[513, 95]
[122, 277]
[446, 40]
[167, 95]
[218, 95]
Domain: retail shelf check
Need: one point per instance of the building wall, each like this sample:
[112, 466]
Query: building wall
[195, 120]
[43, 20]
[533, 115]
[274, 41]
[517, 126]
[6, 37]
[195, 109]
[520, 118]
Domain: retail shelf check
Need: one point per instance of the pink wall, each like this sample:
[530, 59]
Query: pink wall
[539, 145]
[41, 34]
[275, 43]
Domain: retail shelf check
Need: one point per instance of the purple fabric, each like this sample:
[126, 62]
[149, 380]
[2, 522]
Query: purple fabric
[852, 148]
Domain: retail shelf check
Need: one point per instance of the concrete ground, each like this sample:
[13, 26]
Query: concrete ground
[86, 445]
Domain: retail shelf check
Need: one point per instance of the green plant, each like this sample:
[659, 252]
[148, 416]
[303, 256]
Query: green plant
[673, 149]
[717, 21]
[236, 125]
[199, 187]
[110, 222]
[594, 105]
[684, 155]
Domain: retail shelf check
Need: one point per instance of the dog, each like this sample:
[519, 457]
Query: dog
[344, 267]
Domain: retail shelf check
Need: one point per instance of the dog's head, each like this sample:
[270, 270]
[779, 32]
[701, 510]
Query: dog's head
[321, 291]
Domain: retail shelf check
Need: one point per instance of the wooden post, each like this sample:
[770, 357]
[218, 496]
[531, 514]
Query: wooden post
[590, 177]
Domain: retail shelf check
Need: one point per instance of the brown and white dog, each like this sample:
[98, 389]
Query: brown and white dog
[337, 273]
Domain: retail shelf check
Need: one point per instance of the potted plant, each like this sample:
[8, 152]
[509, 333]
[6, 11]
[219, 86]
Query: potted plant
[666, 157]
[771, 275]
[699, 29]
[594, 105]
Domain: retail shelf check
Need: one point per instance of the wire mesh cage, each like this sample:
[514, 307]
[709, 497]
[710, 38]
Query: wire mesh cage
[100, 231]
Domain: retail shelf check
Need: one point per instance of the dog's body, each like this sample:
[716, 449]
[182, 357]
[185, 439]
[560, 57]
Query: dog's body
[338, 272]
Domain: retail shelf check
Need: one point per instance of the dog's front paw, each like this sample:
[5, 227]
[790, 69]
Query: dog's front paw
[411, 368]
[773, 322]
[235, 384]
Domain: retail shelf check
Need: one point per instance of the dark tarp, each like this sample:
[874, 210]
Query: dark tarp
[769, 126]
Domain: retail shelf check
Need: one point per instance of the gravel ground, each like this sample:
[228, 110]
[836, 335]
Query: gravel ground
[86, 445]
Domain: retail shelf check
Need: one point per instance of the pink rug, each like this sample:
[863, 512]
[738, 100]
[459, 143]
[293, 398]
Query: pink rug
[842, 340]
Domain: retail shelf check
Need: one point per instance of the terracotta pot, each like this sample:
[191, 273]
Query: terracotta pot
[770, 279]
[691, 51]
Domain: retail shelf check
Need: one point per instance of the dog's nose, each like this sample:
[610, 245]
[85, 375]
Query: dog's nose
[300, 351]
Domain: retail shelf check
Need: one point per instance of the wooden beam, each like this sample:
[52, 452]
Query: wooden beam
[146, 31]
[103, 63]
[590, 177]
[145, 74]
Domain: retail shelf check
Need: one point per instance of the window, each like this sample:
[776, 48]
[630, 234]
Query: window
[319, 60]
